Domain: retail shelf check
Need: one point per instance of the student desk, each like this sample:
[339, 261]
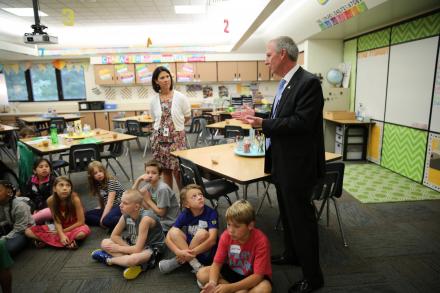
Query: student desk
[143, 120]
[40, 119]
[105, 137]
[241, 170]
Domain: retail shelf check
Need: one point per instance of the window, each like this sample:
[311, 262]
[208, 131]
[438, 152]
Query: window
[16, 84]
[73, 84]
[42, 82]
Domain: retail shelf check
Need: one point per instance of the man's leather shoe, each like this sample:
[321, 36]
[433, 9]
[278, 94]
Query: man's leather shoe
[283, 260]
[305, 286]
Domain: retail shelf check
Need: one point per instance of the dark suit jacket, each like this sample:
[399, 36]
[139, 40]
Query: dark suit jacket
[296, 157]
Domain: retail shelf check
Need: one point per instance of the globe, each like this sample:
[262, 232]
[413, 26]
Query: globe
[334, 77]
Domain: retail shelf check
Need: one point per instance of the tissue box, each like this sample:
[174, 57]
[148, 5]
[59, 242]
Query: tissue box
[110, 106]
[339, 115]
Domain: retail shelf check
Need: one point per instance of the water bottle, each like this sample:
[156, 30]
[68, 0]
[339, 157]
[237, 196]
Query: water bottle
[360, 112]
[54, 134]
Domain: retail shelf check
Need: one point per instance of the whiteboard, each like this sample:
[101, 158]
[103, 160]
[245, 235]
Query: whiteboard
[410, 82]
[371, 82]
[435, 116]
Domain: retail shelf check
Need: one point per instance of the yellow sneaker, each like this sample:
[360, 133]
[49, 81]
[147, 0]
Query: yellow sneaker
[131, 273]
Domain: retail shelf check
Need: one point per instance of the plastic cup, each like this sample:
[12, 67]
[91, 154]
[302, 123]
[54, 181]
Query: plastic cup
[45, 143]
[115, 135]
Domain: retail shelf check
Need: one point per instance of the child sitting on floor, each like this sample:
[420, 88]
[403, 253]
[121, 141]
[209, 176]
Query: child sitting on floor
[136, 239]
[38, 189]
[68, 216]
[242, 260]
[158, 196]
[109, 192]
[193, 237]
[15, 217]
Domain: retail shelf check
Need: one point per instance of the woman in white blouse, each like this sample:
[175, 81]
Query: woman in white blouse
[170, 111]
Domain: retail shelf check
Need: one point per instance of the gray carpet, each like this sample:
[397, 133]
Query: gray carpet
[393, 247]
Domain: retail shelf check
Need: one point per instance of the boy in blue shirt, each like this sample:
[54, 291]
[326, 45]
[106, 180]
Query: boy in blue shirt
[193, 237]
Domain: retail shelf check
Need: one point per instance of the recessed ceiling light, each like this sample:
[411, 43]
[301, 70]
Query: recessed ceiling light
[24, 11]
[189, 9]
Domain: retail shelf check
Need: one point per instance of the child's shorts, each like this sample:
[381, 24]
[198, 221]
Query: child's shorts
[230, 275]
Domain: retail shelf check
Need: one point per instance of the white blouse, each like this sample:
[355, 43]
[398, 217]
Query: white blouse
[180, 108]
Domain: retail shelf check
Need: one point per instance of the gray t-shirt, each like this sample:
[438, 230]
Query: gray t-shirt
[155, 237]
[164, 197]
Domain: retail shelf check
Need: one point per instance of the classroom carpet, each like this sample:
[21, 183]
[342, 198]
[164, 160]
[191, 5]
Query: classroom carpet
[371, 183]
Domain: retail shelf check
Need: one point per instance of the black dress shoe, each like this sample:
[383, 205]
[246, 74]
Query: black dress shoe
[305, 286]
[284, 260]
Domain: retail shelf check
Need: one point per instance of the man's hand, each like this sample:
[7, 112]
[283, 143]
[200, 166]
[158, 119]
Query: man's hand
[255, 122]
[245, 111]
[208, 288]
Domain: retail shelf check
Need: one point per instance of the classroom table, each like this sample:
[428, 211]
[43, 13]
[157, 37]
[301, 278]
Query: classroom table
[241, 170]
[143, 120]
[233, 122]
[103, 136]
[7, 128]
[42, 119]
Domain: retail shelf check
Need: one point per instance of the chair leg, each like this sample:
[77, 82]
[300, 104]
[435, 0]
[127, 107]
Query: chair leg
[265, 194]
[123, 170]
[138, 143]
[111, 167]
[147, 145]
[328, 213]
[228, 199]
[278, 224]
[340, 222]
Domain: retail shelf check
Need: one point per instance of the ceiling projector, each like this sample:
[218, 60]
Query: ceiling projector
[35, 38]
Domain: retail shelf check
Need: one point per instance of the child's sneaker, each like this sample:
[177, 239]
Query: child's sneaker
[131, 273]
[196, 265]
[101, 256]
[168, 265]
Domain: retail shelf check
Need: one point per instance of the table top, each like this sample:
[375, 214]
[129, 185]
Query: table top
[104, 136]
[233, 122]
[34, 119]
[243, 170]
[140, 118]
[351, 121]
[7, 128]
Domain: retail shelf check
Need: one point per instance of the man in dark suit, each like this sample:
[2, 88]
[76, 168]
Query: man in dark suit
[295, 157]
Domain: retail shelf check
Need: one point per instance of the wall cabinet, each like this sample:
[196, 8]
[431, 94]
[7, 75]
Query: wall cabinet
[263, 71]
[104, 74]
[102, 120]
[88, 118]
[144, 71]
[197, 72]
[237, 70]
[119, 74]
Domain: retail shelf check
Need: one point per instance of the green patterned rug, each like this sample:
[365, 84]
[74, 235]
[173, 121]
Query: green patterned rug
[370, 183]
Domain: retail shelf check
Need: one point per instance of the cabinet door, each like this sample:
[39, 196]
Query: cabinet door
[227, 71]
[144, 72]
[206, 71]
[104, 74]
[263, 71]
[124, 74]
[101, 119]
[88, 118]
[246, 70]
[186, 72]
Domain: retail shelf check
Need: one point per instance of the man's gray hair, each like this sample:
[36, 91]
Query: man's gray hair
[288, 44]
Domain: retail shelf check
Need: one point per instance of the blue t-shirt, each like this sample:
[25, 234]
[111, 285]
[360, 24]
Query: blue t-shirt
[190, 224]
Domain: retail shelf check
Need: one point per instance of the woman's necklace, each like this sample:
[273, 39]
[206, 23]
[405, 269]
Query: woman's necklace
[166, 97]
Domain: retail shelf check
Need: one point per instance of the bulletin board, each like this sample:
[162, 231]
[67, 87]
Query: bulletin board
[435, 114]
[410, 81]
[432, 164]
[371, 82]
